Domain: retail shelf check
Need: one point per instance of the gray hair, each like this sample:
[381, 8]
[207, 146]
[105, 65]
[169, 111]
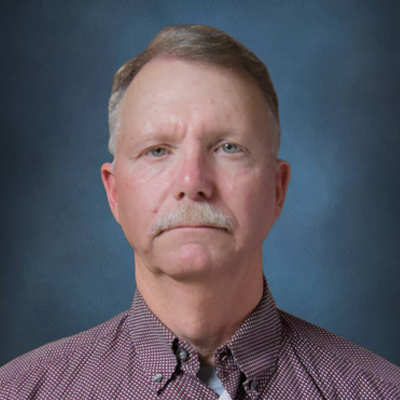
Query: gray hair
[197, 43]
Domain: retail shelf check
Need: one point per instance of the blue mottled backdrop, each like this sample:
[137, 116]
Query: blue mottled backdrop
[333, 258]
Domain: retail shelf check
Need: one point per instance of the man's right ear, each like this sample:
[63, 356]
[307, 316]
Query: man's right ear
[107, 176]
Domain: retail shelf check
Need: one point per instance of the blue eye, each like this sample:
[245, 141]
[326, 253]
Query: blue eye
[229, 148]
[157, 151]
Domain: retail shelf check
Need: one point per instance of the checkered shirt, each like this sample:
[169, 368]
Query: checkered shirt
[273, 355]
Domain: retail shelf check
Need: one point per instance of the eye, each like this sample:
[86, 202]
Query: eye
[157, 151]
[229, 148]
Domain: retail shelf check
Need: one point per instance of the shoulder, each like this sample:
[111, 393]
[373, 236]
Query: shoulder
[67, 353]
[338, 359]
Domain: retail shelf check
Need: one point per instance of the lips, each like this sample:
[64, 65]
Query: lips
[192, 226]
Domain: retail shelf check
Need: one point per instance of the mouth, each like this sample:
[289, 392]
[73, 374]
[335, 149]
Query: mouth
[193, 228]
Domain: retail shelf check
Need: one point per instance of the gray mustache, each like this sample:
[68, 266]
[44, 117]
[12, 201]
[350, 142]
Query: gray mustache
[190, 214]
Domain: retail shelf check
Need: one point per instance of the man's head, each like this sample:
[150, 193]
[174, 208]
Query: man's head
[196, 185]
[195, 43]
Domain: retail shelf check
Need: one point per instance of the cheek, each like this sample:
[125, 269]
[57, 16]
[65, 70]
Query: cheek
[251, 188]
[141, 194]
[253, 201]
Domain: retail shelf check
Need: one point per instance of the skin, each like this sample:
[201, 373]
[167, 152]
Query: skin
[196, 133]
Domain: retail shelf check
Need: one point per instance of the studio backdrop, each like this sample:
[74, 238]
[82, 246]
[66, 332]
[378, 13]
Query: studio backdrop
[333, 256]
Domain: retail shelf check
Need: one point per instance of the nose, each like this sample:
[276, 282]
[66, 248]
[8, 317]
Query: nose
[193, 179]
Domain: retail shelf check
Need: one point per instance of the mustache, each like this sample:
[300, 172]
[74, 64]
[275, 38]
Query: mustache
[192, 214]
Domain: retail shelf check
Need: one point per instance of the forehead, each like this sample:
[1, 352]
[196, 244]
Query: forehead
[167, 90]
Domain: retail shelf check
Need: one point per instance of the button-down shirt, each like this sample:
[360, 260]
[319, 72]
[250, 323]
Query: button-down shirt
[273, 355]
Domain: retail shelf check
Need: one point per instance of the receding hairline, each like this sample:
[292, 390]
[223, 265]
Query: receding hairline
[237, 71]
[195, 44]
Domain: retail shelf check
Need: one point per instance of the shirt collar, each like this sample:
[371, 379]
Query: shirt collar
[157, 347]
[152, 343]
[254, 346]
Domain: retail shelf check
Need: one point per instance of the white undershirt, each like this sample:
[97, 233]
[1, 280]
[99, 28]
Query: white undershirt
[225, 396]
[208, 375]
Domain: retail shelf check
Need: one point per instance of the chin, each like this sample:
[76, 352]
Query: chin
[190, 262]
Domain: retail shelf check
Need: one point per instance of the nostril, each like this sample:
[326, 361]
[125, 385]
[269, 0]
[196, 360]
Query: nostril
[196, 196]
[202, 195]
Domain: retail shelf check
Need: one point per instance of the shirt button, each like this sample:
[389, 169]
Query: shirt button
[225, 354]
[158, 378]
[182, 354]
[254, 386]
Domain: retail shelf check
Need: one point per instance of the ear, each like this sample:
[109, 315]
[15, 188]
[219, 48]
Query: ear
[107, 176]
[282, 178]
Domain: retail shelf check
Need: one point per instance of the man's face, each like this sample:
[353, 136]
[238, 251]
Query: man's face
[193, 134]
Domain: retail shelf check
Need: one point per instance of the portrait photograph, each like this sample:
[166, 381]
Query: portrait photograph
[225, 171]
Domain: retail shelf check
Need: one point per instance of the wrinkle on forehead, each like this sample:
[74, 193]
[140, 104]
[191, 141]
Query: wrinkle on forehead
[176, 96]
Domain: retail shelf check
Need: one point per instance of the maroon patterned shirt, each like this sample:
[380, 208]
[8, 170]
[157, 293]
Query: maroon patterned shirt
[273, 355]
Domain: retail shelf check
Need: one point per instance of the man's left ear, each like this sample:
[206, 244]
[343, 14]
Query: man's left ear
[282, 178]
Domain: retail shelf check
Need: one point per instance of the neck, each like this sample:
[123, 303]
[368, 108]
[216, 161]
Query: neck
[203, 312]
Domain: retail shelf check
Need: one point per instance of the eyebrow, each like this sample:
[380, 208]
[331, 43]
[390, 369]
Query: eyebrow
[154, 136]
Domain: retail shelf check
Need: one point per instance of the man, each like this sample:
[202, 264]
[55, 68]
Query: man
[196, 186]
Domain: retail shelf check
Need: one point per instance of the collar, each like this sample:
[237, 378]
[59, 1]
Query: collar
[249, 357]
[161, 353]
[253, 350]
